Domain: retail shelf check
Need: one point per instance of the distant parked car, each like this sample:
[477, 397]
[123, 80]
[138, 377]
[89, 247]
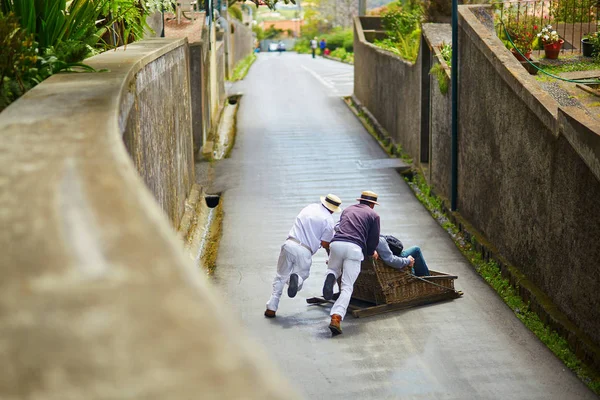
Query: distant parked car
[272, 46]
[280, 46]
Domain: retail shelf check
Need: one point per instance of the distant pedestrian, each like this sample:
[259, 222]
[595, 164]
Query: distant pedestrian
[357, 238]
[312, 230]
[327, 52]
[323, 44]
[313, 45]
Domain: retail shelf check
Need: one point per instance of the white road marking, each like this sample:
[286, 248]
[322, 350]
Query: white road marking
[319, 78]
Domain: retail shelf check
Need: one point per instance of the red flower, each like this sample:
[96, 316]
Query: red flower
[535, 27]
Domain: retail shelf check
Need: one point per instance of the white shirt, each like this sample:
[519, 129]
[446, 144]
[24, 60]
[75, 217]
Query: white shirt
[313, 44]
[313, 225]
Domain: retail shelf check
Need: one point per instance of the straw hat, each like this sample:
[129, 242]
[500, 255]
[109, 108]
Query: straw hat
[369, 196]
[331, 202]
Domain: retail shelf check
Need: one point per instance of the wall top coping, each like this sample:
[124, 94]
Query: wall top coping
[436, 34]
[508, 68]
[95, 286]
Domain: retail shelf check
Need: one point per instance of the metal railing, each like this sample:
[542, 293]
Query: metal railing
[572, 19]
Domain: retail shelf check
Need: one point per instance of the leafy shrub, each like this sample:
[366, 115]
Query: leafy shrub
[406, 47]
[594, 39]
[446, 52]
[574, 11]
[440, 74]
[340, 39]
[235, 12]
[302, 46]
[68, 28]
[18, 60]
[399, 22]
[340, 53]
[260, 33]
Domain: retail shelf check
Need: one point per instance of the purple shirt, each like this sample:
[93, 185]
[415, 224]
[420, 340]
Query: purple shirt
[359, 224]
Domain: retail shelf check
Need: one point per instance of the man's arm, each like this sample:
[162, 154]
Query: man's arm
[325, 245]
[386, 255]
[373, 239]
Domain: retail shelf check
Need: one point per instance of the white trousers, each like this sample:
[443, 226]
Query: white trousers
[293, 259]
[344, 260]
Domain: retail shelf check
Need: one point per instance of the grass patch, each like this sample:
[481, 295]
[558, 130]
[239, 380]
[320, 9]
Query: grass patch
[574, 64]
[440, 74]
[241, 69]
[489, 270]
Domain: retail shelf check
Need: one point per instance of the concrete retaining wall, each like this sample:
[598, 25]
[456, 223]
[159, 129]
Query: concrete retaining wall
[521, 183]
[155, 114]
[436, 109]
[200, 90]
[242, 42]
[396, 105]
[221, 65]
[529, 172]
[97, 299]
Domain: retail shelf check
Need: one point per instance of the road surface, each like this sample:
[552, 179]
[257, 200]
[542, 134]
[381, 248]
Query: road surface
[297, 141]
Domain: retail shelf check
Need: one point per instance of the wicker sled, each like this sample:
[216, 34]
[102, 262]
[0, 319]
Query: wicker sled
[387, 289]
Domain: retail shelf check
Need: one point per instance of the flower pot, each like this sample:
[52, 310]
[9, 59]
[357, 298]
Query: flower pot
[552, 50]
[519, 57]
[586, 47]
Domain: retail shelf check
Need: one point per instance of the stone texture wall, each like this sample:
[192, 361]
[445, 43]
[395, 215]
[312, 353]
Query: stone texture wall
[200, 90]
[242, 42]
[521, 183]
[437, 119]
[528, 172]
[156, 119]
[97, 299]
[389, 87]
[440, 130]
[221, 64]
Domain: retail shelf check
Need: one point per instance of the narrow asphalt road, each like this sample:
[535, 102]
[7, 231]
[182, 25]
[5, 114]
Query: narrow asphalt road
[296, 141]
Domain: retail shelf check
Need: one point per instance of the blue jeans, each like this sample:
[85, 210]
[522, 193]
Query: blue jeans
[420, 267]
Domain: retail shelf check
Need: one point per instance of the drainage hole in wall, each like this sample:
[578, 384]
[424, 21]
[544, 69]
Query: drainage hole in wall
[212, 200]
[232, 100]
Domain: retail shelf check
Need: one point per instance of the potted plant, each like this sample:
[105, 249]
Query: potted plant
[522, 38]
[589, 44]
[551, 41]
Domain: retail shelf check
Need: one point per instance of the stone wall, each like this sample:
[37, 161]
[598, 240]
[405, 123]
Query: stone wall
[528, 171]
[97, 299]
[520, 182]
[155, 116]
[437, 117]
[221, 65]
[393, 105]
[200, 89]
[242, 42]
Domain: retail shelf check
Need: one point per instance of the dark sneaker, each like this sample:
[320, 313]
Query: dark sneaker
[293, 286]
[269, 313]
[328, 287]
[335, 325]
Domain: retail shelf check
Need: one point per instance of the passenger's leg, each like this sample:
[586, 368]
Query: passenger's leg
[420, 266]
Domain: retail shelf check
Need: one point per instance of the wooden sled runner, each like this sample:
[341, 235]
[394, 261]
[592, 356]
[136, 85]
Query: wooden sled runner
[381, 289]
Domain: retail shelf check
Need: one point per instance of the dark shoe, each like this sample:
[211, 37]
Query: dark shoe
[293, 286]
[269, 313]
[328, 287]
[335, 325]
